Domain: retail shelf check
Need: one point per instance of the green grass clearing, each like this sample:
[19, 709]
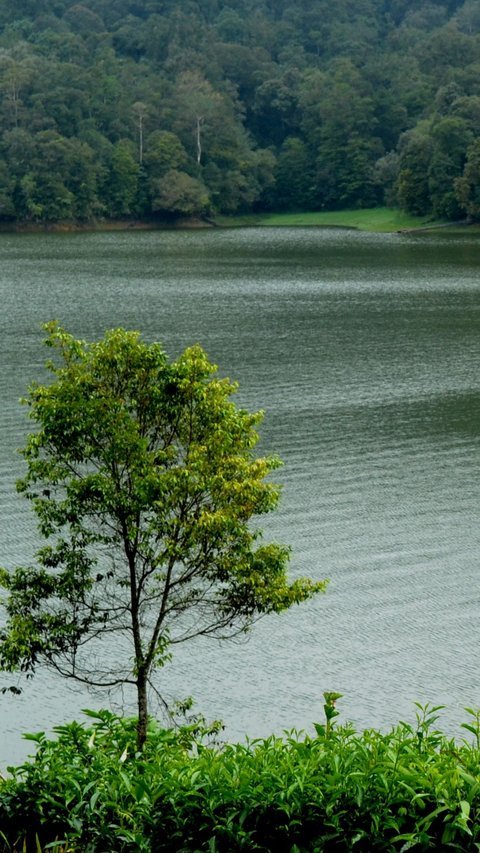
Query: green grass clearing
[381, 219]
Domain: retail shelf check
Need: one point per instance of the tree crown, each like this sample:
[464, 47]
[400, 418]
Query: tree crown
[143, 477]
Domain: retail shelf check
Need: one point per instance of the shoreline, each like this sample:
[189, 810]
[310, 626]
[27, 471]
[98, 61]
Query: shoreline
[187, 223]
[374, 220]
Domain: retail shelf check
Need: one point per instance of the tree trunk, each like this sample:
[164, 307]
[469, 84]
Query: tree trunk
[199, 139]
[142, 701]
[140, 139]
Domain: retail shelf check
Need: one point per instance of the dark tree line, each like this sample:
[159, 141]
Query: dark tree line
[122, 108]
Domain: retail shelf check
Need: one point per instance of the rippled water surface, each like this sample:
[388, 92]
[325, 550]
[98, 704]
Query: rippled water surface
[364, 350]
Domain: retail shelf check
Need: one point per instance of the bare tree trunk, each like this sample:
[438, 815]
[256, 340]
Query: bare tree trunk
[142, 701]
[140, 139]
[15, 97]
[140, 112]
[199, 139]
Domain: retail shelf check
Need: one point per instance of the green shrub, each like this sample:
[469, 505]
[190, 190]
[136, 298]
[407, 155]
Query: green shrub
[409, 789]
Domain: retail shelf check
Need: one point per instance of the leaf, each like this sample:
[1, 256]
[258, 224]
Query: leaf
[469, 728]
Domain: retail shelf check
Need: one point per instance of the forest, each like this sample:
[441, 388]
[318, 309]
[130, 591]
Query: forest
[121, 109]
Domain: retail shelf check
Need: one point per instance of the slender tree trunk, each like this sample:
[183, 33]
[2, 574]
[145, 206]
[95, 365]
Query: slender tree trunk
[140, 112]
[142, 701]
[15, 104]
[140, 139]
[198, 135]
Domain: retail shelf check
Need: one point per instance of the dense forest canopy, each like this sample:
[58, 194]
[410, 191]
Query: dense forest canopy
[123, 108]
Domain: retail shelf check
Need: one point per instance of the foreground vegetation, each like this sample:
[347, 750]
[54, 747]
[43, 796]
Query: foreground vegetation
[90, 790]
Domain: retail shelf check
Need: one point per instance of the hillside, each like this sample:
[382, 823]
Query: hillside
[140, 108]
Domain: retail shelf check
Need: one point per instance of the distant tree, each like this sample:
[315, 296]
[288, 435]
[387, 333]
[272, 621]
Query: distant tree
[121, 186]
[140, 112]
[163, 152]
[83, 20]
[19, 148]
[451, 137]
[180, 194]
[7, 185]
[446, 98]
[82, 180]
[345, 175]
[294, 176]
[60, 97]
[385, 175]
[142, 474]
[198, 106]
[415, 152]
[276, 107]
[339, 122]
[17, 68]
[467, 186]
[231, 26]
[60, 179]
[447, 48]
[468, 17]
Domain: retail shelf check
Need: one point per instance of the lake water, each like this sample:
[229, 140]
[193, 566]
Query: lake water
[364, 350]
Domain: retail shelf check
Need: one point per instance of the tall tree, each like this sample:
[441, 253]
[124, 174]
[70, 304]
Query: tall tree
[451, 137]
[199, 105]
[294, 176]
[142, 472]
[339, 120]
[17, 68]
[122, 181]
[415, 152]
[467, 186]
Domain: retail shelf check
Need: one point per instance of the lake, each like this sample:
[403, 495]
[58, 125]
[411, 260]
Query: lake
[364, 351]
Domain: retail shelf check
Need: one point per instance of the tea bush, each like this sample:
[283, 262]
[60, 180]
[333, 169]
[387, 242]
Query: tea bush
[89, 790]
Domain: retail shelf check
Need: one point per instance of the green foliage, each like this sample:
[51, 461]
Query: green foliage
[467, 186]
[412, 182]
[163, 152]
[178, 193]
[143, 478]
[90, 790]
[294, 176]
[121, 185]
[236, 96]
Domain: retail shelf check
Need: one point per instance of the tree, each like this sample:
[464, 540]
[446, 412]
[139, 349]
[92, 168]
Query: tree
[122, 183]
[415, 153]
[179, 194]
[7, 186]
[140, 112]
[468, 17]
[467, 186]
[294, 176]
[199, 106]
[276, 107]
[163, 152]
[339, 122]
[16, 71]
[61, 177]
[142, 475]
[451, 137]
